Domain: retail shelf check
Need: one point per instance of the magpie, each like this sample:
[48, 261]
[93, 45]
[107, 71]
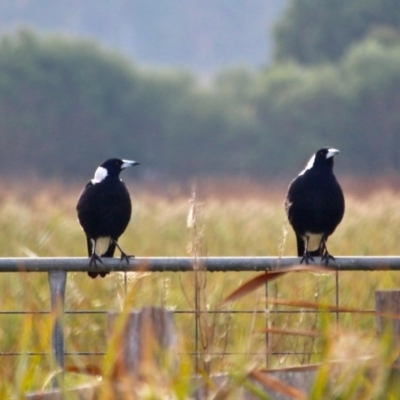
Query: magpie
[315, 206]
[104, 210]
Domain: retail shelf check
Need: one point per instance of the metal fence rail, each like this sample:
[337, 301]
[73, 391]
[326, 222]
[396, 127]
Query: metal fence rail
[186, 264]
[57, 269]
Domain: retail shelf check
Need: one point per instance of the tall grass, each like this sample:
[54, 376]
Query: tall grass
[249, 222]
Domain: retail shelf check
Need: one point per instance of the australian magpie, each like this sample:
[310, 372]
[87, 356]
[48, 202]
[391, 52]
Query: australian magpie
[104, 211]
[315, 205]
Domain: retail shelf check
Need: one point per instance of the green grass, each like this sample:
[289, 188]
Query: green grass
[248, 223]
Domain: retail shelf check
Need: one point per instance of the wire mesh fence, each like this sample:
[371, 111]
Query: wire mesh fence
[211, 328]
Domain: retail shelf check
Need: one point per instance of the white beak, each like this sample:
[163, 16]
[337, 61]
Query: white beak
[128, 163]
[332, 153]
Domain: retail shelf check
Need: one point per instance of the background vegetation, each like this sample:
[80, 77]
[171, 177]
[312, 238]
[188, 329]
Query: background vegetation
[253, 223]
[67, 104]
[335, 27]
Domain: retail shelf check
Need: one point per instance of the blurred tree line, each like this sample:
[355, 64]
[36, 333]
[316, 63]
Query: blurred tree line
[65, 105]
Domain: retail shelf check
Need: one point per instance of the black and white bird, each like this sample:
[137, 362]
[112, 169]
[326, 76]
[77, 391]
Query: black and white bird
[315, 205]
[104, 211]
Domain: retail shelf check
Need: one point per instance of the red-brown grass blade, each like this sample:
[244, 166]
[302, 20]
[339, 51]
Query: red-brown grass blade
[252, 285]
[315, 306]
[327, 307]
[84, 369]
[266, 277]
[277, 385]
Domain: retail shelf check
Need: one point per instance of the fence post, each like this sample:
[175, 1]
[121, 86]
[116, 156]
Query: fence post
[267, 326]
[388, 302]
[142, 339]
[57, 282]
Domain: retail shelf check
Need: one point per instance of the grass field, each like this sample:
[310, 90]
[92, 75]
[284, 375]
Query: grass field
[245, 220]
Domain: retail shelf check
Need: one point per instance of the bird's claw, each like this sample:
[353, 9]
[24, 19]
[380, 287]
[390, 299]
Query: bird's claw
[326, 257]
[306, 257]
[93, 263]
[126, 257]
[93, 260]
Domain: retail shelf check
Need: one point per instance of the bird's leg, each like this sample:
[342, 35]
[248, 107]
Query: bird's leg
[124, 256]
[94, 257]
[306, 256]
[93, 260]
[325, 254]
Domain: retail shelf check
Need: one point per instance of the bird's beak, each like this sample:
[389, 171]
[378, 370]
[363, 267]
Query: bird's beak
[332, 153]
[128, 163]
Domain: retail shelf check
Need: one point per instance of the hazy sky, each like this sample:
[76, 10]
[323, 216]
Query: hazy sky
[200, 34]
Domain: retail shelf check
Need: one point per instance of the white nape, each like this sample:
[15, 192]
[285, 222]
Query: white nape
[99, 175]
[101, 245]
[309, 165]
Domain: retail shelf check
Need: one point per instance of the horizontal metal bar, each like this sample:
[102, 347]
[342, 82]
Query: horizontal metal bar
[100, 353]
[273, 353]
[219, 354]
[17, 353]
[232, 312]
[85, 353]
[44, 353]
[297, 311]
[186, 264]
[24, 312]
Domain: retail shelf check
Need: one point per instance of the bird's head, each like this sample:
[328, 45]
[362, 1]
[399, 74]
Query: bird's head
[112, 168]
[322, 157]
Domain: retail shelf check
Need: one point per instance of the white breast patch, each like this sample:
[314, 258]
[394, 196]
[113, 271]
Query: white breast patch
[102, 244]
[314, 240]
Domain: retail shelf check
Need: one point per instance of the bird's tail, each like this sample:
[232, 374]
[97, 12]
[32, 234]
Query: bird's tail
[96, 274]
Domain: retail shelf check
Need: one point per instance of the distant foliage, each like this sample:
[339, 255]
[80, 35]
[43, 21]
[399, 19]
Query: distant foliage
[315, 31]
[67, 105]
[352, 105]
[63, 104]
